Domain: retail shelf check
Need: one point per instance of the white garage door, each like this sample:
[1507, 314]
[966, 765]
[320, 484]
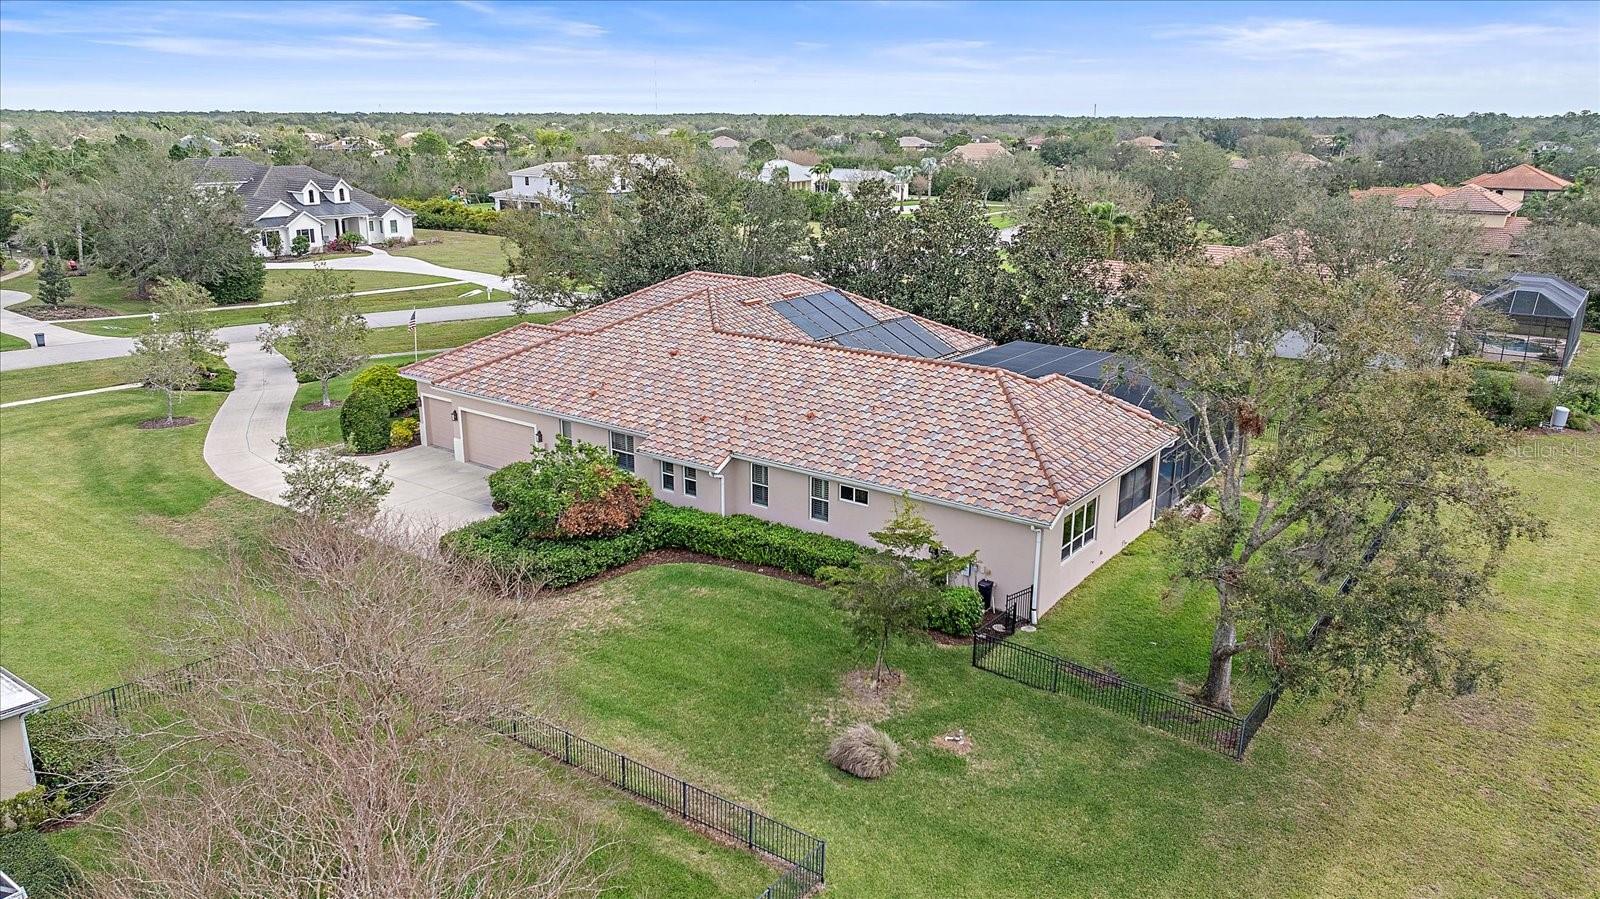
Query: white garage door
[441, 430]
[493, 442]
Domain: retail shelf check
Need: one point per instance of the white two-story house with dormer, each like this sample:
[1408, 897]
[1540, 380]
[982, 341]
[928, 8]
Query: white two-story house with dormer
[288, 201]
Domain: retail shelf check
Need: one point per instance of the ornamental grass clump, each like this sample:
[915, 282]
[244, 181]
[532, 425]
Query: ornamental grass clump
[864, 751]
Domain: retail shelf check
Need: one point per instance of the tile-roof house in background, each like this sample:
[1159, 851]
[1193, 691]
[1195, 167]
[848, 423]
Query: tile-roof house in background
[797, 176]
[1517, 182]
[789, 400]
[1146, 142]
[976, 152]
[1499, 228]
[912, 142]
[724, 142]
[294, 200]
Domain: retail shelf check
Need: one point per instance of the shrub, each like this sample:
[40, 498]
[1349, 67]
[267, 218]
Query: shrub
[72, 757]
[29, 860]
[300, 246]
[403, 432]
[574, 490]
[552, 563]
[215, 375]
[397, 393]
[448, 215]
[864, 751]
[1580, 392]
[344, 243]
[958, 612]
[31, 809]
[364, 421]
[243, 286]
[1511, 399]
[744, 538]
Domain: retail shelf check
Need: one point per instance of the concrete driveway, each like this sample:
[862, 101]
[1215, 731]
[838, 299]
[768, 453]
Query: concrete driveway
[378, 260]
[433, 493]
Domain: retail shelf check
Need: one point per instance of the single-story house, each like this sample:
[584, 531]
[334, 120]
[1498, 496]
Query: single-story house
[796, 176]
[976, 152]
[912, 142]
[488, 143]
[787, 399]
[352, 145]
[17, 699]
[294, 200]
[1517, 182]
[724, 142]
[1146, 142]
[532, 185]
[1035, 142]
[1546, 320]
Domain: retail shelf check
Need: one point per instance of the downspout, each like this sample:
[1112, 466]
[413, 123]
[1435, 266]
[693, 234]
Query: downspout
[1033, 595]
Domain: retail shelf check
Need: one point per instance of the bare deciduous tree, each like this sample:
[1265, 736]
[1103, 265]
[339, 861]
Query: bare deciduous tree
[334, 747]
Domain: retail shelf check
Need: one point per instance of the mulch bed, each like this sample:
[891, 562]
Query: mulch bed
[156, 424]
[670, 556]
[63, 313]
[318, 407]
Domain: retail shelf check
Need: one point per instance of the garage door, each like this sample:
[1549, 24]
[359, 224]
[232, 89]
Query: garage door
[493, 442]
[441, 430]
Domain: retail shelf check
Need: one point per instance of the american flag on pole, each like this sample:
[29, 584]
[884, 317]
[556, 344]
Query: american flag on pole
[412, 324]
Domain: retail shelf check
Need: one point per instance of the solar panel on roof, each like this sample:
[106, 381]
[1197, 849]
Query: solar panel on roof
[832, 316]
[916, 334]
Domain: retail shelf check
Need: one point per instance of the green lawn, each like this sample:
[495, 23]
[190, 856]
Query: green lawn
[443, 335]
[732, 678]
[282, 282]
[449, 295]
[115, 295]
[48, 380]
[100, 520]
[459, 249]
[7, 342]
[1588, 358]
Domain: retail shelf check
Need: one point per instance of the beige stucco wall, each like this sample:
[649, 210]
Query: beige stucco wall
[1005, 547]
[16, 765]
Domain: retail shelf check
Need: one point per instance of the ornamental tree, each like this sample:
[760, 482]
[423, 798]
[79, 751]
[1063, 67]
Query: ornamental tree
[1355, 513]
[884, 597]
[319, 329]
[54, 288]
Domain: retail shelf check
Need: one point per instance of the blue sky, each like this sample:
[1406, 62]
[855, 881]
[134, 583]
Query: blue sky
[809, 57]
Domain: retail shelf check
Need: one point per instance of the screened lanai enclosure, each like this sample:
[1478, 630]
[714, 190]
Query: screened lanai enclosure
[1542, 321]
[1183, 468]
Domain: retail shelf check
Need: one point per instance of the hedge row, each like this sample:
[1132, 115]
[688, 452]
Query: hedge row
[737, 538]
[441, 214]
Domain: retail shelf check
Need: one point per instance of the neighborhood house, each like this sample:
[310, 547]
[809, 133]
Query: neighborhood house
[784, 398]
[536, 184]
[1489, 201]
[796, 176]
[17, 699]
[284, 202]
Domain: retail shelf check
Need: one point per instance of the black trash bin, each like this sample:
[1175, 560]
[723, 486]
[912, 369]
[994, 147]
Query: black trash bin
[986, 590]
[38, 338]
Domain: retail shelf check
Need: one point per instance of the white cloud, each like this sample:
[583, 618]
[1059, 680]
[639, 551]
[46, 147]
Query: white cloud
[1279, 39]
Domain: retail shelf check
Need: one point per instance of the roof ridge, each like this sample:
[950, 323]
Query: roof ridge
[1027, 435]
[505, 355]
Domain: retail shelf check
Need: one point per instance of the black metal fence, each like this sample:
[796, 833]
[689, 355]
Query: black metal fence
[806, 855]
[134, 695]
[1198, 724]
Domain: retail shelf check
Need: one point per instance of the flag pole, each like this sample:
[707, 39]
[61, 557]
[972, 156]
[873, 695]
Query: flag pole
[414, 356]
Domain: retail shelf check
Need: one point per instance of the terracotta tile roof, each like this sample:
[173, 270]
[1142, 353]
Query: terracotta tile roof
[977, 151]
[1507, 239]
[1467, 198]
[664, 366]
[1521, 177]
[1421, 190]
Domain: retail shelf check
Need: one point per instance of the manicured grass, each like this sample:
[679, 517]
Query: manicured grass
[450, 295]
[459, 249]
[308, 428]
[1588, 357]
[49, 380]
[7, 342]
[94, 289]
[282, 282]
[102, 519]
[443, 335]
[733, 679]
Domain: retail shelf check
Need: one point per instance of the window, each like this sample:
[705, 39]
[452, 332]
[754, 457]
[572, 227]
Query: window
[1078, 529]
[394, 226]
[819, 499]
[668, 481]
[622, 450]
[852, 494]
[311, 198]
[372, 225]
[342, 195]
[691, 482]
[758, 485]
[1134, 490]
[310, 234]
[566, 429]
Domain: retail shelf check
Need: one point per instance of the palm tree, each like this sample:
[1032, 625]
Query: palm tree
[1113, 223]
[822, 170]
[929, 165]
[903, 175]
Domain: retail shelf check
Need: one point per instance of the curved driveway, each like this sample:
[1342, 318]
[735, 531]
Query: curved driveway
[378, 260]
